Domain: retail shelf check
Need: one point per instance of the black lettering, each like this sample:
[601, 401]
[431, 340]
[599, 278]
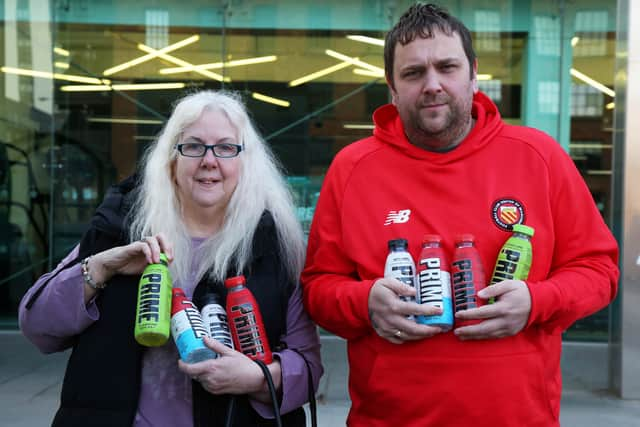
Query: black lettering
[462, 264]
[153, 277]
[511, 255]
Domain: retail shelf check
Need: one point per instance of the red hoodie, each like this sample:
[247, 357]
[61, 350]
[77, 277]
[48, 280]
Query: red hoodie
[382, 188]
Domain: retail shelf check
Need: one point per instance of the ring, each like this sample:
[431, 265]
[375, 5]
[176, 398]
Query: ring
[398, 333]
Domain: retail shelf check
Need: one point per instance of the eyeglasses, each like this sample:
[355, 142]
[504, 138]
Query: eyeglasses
[193, 149]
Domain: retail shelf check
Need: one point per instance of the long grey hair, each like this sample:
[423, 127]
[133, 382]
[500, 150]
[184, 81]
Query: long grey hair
[261, 186]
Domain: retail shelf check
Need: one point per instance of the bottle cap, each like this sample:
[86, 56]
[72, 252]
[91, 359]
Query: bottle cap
[177, 300]
[524, 229]
[177, 292]
[232, 282]
[398, 244]
[210, 298]
[431, 238]
[466, 237]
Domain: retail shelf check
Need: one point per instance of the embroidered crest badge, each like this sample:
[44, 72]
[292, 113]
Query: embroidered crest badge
[507, 212]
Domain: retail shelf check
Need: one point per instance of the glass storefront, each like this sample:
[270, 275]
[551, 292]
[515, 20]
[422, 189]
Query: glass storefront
[85, 85]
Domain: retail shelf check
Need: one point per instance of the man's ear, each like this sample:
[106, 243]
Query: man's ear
[474, 80]
[392, 90]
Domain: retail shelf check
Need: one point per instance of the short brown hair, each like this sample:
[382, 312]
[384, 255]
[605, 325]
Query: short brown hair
[421, 20]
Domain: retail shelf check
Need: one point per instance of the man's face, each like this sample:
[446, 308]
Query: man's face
[433, 90]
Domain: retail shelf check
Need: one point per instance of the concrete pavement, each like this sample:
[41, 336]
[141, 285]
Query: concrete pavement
[30, 386]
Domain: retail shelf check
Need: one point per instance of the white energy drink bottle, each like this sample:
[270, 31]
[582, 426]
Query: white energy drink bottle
[400, 266]
[214, 318]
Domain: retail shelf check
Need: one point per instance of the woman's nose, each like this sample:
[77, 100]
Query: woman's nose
[209, 159]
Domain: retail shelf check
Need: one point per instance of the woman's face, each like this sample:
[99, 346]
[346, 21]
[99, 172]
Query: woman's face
[206, 184]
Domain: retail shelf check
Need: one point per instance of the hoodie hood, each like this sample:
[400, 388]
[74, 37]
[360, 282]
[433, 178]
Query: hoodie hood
[389, 130]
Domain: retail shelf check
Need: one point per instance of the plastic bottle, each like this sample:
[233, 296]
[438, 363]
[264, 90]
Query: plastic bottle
[400, 266]
[187, 329]
[434, 283]
[153, 310]
[514, 259]
[214, 318]
[245, 321]
[467, 277]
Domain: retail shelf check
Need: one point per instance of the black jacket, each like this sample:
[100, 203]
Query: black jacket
[102, 381]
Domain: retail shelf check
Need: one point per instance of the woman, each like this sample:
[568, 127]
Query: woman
[212, 198]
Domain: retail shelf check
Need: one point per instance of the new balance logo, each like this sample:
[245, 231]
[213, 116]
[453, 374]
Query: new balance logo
[398, 217]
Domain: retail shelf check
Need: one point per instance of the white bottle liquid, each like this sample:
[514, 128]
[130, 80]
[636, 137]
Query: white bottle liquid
[400, 266]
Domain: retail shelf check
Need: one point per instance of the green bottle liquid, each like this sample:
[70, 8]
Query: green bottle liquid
[514, 259]
[153, 311]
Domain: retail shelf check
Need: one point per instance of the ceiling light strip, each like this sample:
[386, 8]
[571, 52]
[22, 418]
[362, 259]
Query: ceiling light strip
[132, 86]
[365, 39]
[593, 83]
[368, 73]
[126, 121]
[318, 74]
[182, 63]
[354, 61]
[358, 126]
[61, 51]
[218, 65]
[270, 99]
[151, 55]
[50, 75]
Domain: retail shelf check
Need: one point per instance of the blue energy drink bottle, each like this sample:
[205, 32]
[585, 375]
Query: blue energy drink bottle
[153, 311]
[400, 266]
[187, 329]
[434, 283]
[214, 318]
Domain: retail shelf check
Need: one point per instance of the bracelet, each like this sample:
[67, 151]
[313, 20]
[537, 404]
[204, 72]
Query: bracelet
[87, 277]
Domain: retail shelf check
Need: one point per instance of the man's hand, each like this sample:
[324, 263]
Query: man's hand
[506, 317]
[388, 313]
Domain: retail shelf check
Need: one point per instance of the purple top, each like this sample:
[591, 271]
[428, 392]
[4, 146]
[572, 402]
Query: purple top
[165, 396]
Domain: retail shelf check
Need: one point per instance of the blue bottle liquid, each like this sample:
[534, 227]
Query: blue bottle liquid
[187, 329]
[434, 283]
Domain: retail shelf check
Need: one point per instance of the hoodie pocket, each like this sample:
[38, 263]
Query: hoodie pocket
[492, 391]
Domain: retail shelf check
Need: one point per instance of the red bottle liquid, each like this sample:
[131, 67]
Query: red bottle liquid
[467, 277]
[245, 321]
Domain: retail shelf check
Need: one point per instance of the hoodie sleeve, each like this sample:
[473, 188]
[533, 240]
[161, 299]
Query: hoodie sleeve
[59, 313]
[334, 296]
[584, 270]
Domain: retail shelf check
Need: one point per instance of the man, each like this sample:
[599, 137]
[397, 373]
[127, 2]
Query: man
[442, 161]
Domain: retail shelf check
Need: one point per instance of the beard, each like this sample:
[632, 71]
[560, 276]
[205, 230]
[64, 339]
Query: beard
[439, 130]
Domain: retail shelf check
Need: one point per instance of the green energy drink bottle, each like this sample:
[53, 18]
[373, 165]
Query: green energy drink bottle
[514, 259]
[153, 311]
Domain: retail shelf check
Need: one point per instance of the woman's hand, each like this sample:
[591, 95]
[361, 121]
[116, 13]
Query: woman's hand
[128, 259]
[232, 373]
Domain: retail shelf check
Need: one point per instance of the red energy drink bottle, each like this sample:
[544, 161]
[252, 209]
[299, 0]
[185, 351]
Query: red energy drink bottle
[467, 277]
[187, 329]
[400, 266]
[434, 283]
[245, 321]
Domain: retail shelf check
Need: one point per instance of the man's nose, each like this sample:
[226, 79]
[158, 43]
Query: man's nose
[431, 82]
